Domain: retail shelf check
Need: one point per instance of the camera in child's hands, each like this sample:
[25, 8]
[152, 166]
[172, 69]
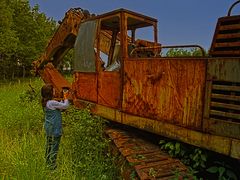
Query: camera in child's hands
[65, 93]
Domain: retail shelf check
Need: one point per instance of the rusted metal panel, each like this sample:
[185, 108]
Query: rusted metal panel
[212, 142]
[170, 90]
[130, 13]
[225, 114]
[229, 27]
[109, 88]
[224, 69]
[222, 127]
[51, 75]
[225, 97]
[226, 88]
[105, 41]
[108, 113]
[85, 86]
[221, 113]
[232, 44]
[226, 37]
[235, 150]
[225, 105]
[207, 99]
[84, 54]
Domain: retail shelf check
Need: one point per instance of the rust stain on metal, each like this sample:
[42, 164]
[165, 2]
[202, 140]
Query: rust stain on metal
[85, 86]
[51, 75]
[222, 97]
[226, 41]
[108, 89]
[166, 89]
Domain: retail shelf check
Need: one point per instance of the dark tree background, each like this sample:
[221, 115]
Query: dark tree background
[24, 33]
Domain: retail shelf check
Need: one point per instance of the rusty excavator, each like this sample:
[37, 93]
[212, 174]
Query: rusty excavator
[125, 78]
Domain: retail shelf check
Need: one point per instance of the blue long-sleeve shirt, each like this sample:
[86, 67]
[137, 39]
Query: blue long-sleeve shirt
[53, 117]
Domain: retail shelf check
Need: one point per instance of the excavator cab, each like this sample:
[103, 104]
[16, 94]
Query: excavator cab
[102, 46]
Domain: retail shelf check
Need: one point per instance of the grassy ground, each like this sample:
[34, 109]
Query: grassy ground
[83, 150]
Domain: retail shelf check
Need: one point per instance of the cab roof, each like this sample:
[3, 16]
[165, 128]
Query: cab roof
[135, 20]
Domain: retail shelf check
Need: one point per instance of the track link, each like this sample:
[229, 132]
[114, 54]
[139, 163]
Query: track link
[147, 159]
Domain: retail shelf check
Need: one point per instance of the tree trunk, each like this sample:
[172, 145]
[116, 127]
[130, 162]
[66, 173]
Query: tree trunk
[13, 75]
[24, 72]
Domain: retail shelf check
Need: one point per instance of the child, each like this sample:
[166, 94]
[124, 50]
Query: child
[53, 123]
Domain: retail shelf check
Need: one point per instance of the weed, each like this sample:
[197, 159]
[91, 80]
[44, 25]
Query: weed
[88, 144]
[195, 158]
[133, 175]
[83, 152]
[197, 161]
[152, 172]
[222, 171]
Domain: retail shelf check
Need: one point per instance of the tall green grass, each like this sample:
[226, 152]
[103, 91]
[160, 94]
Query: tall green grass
[83, 150]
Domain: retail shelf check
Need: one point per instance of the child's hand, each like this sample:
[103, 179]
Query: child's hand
[65, 94]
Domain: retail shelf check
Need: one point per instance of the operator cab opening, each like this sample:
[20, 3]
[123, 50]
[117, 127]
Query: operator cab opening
[111, 37]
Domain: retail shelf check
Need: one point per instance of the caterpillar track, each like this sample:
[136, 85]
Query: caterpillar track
[145, 158]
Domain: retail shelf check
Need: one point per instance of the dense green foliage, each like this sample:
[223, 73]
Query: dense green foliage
[24, 33]
[200, 162]
[180, 52]
[83, 149]
[89, 146]
[191, 156]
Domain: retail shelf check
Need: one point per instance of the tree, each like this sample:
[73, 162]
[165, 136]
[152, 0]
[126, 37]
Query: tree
[8, 39]
[27, 32]
[34, 30]
[178, 52]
